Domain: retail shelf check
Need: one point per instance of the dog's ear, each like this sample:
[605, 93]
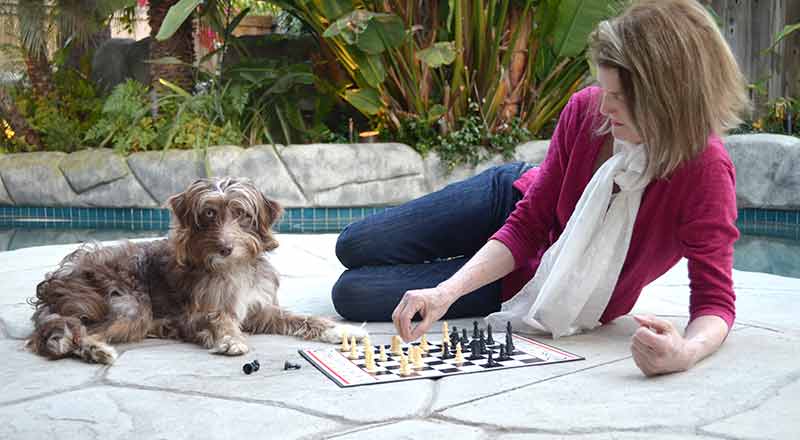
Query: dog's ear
[180, 208]
[269, 213]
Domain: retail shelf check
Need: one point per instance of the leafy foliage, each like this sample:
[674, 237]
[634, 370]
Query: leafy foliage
[71, 109]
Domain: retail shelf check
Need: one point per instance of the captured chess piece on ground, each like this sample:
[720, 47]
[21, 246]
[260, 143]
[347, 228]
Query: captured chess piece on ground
[355, 364]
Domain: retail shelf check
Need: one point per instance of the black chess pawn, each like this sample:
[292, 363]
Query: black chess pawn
[474, 329]
[464, 338]
[489, 337]
[503, 355]
[482, 342]
[446, 351]
[490, 362]
[290, 366]
[251, 367]
[475, 350]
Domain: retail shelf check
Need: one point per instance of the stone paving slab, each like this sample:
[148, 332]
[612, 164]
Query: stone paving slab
[415, 430]
[24, 376]
[189, 368]
[617, 396]
[607, 345]
[124, 413]
[767, 420]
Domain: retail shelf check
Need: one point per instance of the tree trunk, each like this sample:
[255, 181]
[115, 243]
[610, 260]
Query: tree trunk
[180, 45]
[10, 113]
[516, 71]
[32, 22]
[82, 45]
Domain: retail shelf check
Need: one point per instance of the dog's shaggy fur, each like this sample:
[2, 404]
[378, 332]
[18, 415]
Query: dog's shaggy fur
[207, 283]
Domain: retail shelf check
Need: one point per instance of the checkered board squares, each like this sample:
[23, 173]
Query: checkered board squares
[349, 373]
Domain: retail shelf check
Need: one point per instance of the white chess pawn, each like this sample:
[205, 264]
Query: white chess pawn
[345, 345]
[423, 344]
[445, 332]
[404, 370]
[459, 356]
[382, 355]
[369, 361]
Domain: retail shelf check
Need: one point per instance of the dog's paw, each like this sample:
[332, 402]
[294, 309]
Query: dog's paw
[231, 346]
[99, 352]
[334, 334]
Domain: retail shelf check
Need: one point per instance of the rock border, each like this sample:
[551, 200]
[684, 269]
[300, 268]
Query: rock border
[326, 175]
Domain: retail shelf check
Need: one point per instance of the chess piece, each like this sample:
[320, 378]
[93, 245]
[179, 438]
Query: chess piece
[503, 355]
[367, 345]
[464, 337]
[445, 350]
[369, 361]
[474, 329]
[251, 367]
[459, 358]
[404, 370]
[509, 344]
[445, 332]
[475, 349]
[345, 344]
[290, 366]
[418, 358]
[490, 362]
[489, 338]
[382, 354]
[482, 342]
[423, 344]
[396, 345]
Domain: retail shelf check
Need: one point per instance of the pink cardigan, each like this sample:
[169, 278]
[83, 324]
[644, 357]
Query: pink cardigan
[691, 214]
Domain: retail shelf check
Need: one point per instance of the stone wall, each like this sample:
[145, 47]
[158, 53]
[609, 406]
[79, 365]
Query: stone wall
[329, 175]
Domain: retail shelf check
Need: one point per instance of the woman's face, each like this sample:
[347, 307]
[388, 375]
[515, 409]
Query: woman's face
[614, 106]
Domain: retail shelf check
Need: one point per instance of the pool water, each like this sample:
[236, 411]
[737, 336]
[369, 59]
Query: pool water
[752, 253]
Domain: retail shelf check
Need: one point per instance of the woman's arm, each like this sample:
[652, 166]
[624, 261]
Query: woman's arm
[707, 232]
[658, 347]
[492, 262]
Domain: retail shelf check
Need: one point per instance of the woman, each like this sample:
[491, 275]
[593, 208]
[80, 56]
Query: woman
[635, 178]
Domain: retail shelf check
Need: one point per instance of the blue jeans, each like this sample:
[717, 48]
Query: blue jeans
[423, 242]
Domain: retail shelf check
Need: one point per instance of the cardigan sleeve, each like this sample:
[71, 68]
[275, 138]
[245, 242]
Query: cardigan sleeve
[528, 227]
[707, 232]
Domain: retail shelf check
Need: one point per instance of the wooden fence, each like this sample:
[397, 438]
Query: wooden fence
[750, 26]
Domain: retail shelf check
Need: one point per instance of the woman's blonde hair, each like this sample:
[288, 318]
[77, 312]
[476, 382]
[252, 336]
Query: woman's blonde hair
[679, 77]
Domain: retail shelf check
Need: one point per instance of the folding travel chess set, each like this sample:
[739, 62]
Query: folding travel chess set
[355, 364]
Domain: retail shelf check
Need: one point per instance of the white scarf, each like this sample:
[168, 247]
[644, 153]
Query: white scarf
[577, 274]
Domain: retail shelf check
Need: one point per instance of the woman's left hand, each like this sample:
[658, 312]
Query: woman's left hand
[658, 347]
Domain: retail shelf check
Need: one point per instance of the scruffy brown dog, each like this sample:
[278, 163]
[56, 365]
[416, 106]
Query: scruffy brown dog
[207, 283]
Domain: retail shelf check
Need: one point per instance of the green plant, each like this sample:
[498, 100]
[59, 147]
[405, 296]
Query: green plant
[405, 58]
[125, 124]
[470, 144]
[70, 108]
[780, 116]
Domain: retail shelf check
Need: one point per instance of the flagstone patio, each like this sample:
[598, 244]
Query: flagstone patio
[750, 389]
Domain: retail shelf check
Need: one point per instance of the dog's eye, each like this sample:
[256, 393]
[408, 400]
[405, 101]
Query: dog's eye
[209, 213]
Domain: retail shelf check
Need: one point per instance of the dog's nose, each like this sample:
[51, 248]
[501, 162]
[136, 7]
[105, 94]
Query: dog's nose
[226, 250]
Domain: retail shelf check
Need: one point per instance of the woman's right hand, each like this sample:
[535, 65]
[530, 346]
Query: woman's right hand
[431, 304]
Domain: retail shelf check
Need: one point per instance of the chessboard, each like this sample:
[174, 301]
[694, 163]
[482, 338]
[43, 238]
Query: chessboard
[348, 369]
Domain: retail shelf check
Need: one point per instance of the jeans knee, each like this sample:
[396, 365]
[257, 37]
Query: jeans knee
[342, 295]
[345, 247]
